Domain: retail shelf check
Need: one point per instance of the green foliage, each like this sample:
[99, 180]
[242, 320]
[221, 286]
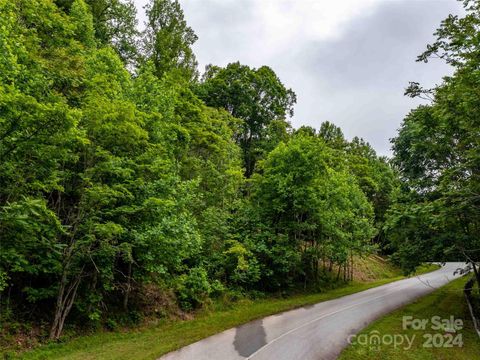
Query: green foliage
[378, 181]
[29, 236]
[193, 288]
[314, 203]
[240, 264]
[437, 153]
[111, 182]
[332, 135]
[82, 21]
[115, 24]
[257, 96]
[168, 39]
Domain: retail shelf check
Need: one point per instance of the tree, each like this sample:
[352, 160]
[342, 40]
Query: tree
[83, 23]
[114, 23]
[437, 148]
[168, 40]
[257, 96]
[305, 195]
[121, 189]
[201, 141]
[91, 200]
[332, 135]
[372, 173]
[376, 178]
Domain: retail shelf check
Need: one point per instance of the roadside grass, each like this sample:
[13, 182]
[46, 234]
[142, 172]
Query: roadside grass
[150, 342]
[444, 302]
[373, 267]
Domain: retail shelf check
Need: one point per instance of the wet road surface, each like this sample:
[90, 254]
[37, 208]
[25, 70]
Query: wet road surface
[315, 332]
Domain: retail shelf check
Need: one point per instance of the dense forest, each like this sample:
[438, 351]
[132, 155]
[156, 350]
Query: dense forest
[132, 185]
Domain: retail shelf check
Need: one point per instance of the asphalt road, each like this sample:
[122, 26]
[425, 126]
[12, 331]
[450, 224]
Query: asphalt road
[316, 332]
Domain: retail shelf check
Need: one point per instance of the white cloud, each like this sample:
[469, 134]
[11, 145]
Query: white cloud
[318, 20]
[270, 27]
[347, 60]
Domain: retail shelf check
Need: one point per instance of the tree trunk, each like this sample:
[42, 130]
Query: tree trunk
[127, 290]
[65, 299]
[474, 266]
[477, 273]
[351, 266]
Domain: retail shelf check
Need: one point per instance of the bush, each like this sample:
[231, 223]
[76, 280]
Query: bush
[193, 289]
[216, 288]
[111, 324]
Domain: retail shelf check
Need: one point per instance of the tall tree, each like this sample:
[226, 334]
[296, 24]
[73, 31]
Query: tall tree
[332, 135]
[115, 24]
[437, 149]
[257, 96]
[168, 39]
[377, 179]
[306, 195]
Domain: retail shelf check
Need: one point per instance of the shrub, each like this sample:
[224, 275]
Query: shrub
[193, 289]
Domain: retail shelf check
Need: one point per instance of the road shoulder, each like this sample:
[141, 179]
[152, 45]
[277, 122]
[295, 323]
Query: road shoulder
[390, 337]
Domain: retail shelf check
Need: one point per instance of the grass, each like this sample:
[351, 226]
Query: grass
[444, 302]
[154, 341]
[372, 268]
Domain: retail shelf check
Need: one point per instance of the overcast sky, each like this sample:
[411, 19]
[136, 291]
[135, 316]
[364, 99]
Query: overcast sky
[348, 61]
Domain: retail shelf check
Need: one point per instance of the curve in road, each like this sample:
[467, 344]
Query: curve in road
[317, 331]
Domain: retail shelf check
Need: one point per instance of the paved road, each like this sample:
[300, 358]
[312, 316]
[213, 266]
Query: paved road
[316, 332]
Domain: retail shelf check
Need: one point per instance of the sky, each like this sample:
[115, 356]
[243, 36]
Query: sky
[348, 61]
